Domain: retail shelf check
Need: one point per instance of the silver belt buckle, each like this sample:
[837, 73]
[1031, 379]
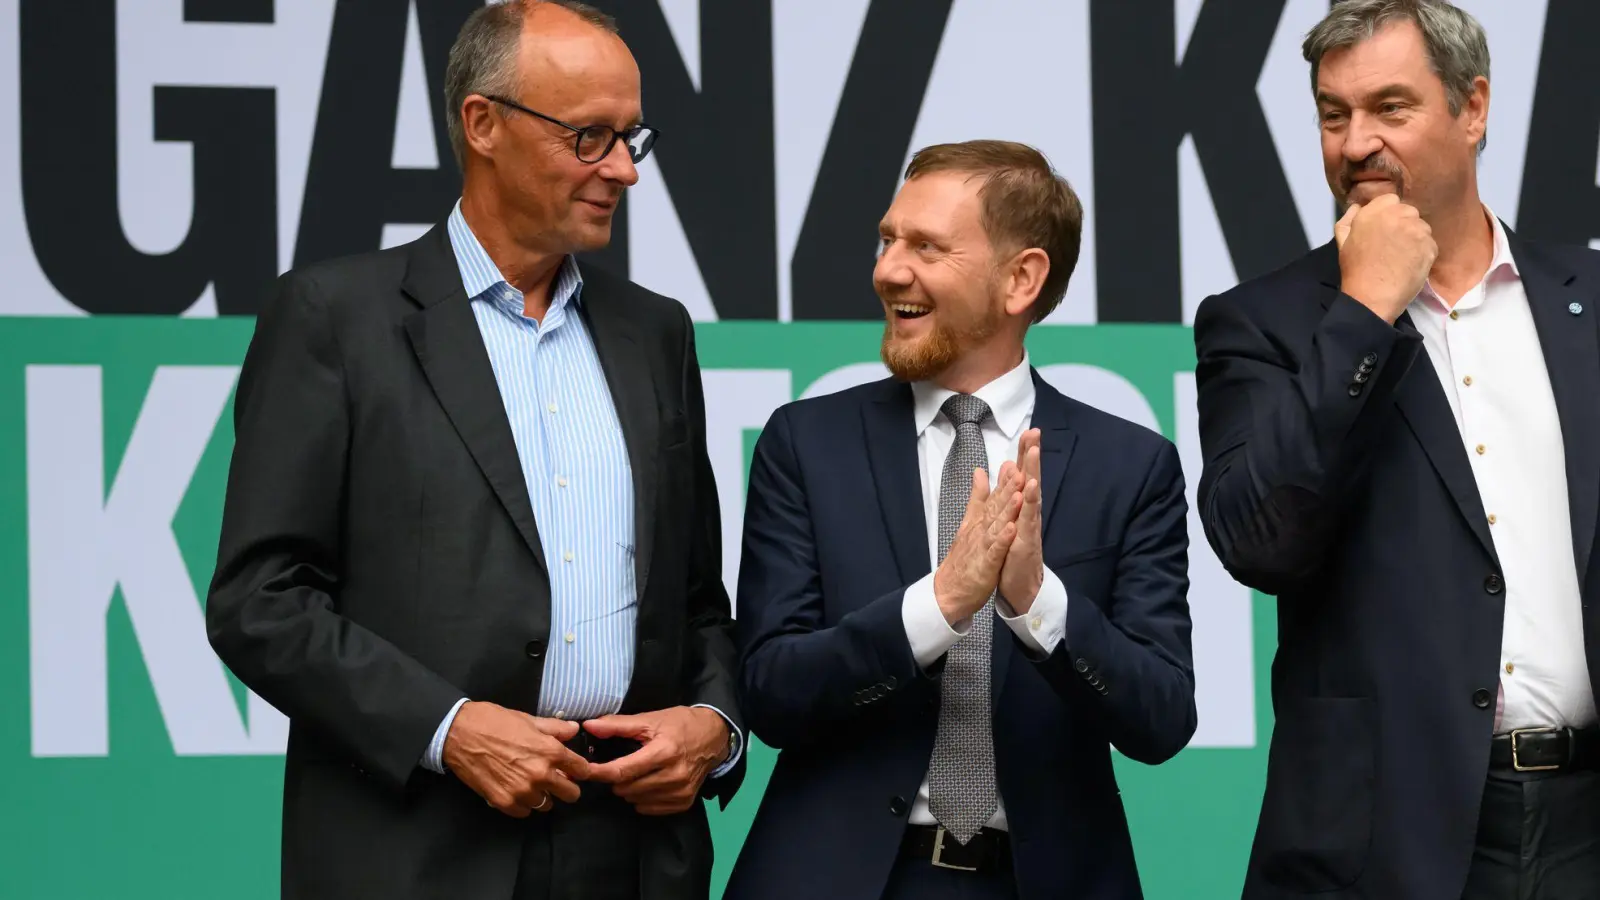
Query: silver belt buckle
[938, 853]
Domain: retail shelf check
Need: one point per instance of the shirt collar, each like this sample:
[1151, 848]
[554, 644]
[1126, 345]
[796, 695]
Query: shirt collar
[1500, 261]
[1010, 399]
[482, 279]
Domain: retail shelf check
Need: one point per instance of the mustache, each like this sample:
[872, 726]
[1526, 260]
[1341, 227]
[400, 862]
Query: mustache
[1374, 163]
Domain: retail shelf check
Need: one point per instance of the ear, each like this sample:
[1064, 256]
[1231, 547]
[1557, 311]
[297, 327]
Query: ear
[1023, 278]
[479, 124]
[1475, 111]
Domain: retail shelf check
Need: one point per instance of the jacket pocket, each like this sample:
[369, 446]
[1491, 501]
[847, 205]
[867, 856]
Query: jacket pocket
[1316, 816]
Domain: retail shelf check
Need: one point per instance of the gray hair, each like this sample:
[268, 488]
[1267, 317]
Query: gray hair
[1458, 49]
[483, 60]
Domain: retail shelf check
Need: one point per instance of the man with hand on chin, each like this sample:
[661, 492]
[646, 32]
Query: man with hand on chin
[1401, 443]
[959, 588]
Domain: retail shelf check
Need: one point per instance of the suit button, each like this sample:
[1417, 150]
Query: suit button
[1355, 390]
[1480, 698]
[897, 806]
[1493, 584]
[1370, 359]
[889, 682]
[1362, 376]
[535, 648]
[1081, 665]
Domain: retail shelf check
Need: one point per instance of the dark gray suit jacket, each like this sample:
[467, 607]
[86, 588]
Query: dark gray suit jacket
[379, 559]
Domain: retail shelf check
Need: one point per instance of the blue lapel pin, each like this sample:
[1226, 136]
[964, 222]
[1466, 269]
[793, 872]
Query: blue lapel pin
[1575, 308]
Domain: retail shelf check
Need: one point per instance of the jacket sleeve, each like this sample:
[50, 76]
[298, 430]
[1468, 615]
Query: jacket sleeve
[272, 609]
[1284, 438]
[802, 676]
[1129, 655]
[713, 660]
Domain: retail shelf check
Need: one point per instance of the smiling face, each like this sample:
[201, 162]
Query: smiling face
[936, 276]
[581, 75]
[1387, 126]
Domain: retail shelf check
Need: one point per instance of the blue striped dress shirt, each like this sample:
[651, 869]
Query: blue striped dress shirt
[580, 483]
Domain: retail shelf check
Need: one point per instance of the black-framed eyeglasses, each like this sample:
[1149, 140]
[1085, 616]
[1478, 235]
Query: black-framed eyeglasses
[595, 141]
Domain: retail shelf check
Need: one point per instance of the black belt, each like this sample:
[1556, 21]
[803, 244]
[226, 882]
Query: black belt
[601, 750]
[1546, 749]
[989, 849]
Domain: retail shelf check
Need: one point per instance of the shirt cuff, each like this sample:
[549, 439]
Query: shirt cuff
[1045, 623]
[433, 759]
[929, 633]
[738, 742]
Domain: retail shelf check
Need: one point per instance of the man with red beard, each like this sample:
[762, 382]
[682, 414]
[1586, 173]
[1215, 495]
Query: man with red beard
[959, 588]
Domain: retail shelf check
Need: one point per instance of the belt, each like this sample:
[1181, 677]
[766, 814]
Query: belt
[600, 750]
[989, 849]
[1546, 749]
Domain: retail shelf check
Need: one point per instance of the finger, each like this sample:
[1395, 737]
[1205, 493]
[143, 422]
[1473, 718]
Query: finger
[665, 808]
[1002, 544]
[561, 787]
[653, 786]
[1032, 461]
[508, 804]
[1341, 229]
[636, 727]
[979, 493]
[632, 767]
[560, 729]
[561, 758]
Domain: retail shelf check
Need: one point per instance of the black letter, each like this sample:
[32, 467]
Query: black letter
[69, 174]
[716, 148]
[1560, 202]
[1143, 109]
[351, 192]
[832, 266]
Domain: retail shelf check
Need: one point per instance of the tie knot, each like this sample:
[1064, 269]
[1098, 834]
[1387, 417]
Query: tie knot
[965, 409]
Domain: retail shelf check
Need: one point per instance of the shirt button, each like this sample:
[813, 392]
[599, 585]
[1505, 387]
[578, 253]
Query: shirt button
[552, 406]
[561, 714]
[567, 556]
[1491, 518]
[1454, 314]
[570, 637]
[1510, 668]
[561, 481]
[1467, 381]
[1482, 449]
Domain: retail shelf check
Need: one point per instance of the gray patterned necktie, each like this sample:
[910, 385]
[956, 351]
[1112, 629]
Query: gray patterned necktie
[961, 788]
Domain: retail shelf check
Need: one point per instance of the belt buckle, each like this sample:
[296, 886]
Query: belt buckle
[1516, 762]
[938, 853]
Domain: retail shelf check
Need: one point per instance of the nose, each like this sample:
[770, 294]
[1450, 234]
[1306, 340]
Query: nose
[891, 268]
[618, 165]
[1360, 138]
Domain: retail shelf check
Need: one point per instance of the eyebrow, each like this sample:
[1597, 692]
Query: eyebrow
[1389, 90]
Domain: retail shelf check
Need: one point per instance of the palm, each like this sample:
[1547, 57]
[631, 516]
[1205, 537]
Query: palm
[1023, 571]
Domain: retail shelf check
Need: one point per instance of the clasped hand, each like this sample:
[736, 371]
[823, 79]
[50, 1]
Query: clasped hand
[519, 764]
[999, 544]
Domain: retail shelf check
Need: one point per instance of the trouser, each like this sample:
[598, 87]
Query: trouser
[1538, 837]
[588, 850]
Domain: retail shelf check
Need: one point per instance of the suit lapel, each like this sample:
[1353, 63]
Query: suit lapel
[1571, 344]
[1055, 444]
[891, 432]
[628, 377]
[444, 335]
[1422, 403]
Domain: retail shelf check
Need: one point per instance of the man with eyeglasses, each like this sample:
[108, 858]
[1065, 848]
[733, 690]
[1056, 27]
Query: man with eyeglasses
[470, 541]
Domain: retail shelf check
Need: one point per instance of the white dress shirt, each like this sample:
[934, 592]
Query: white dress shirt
[1487, 354]
[1010, 399]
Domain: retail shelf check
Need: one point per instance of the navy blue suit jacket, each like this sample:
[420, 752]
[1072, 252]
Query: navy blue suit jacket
[835, 532]
[1335, 478]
